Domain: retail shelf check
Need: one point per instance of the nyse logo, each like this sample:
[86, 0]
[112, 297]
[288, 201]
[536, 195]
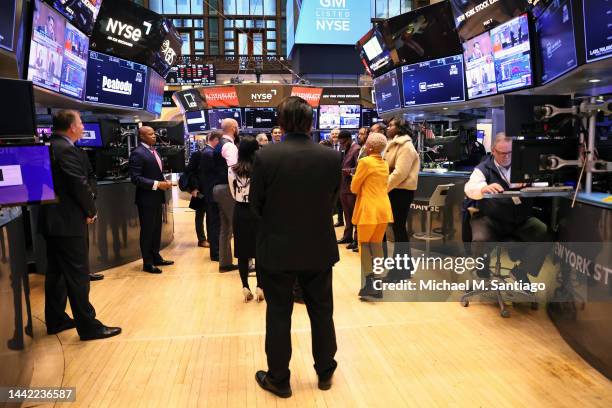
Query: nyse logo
[263, 97]
[333, 16]
[127, 31]
[168, 53]
[116, 86]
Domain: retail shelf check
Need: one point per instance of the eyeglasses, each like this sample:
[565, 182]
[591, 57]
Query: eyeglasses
[506, 154]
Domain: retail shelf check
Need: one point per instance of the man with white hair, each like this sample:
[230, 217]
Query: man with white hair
[505, 218]
[225, 156]
[262, 139]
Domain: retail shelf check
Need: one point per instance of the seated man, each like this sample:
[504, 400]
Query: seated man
[504, 219]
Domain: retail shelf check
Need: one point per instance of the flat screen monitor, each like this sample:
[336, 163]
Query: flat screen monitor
[81, 13]
[18, 118]
[512, 54]
[480, 136]
[374, 53]
[369, 117]
[473, 17]
[44, 132]
[46, 47]
[188, 73]
[422, 34]
[433, 82]
[114, 81]
[25, 175]
[479, 66]
[74, 65]
[350, 116]
[597, 29]
[7, 23]
[387, 92]
[529, 158]
[216, 116]
[260, 118]
[155, 93]
[92, 136]
[196, 121]
[329, 116]
[555, 28]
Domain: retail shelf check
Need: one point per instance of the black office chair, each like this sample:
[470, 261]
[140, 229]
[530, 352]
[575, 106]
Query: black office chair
[500, 274]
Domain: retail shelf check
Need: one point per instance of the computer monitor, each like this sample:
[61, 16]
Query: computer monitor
[44, 132]
[597, 29]
[531, 160]
[369, 117]
[196, 121]
[480, 136]
[350, 116]
[173, 158]
[260, 118]
[479, 66]
[329, 116]
[387, 92]
[519, 116]
[433, 82]
[450, 148]
[512, 54]
[25, 175]
[18, 118]
[92, 136]
[168, 132]
[216, 116]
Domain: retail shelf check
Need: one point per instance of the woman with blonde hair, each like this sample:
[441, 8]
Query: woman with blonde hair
[373, 209]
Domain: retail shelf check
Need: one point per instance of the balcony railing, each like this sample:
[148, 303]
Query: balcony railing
[230, 64]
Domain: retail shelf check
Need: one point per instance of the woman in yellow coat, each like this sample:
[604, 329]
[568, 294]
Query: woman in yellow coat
[373, 209]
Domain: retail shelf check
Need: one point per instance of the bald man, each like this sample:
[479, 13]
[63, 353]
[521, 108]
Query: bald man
[146, 172]
[225, 156]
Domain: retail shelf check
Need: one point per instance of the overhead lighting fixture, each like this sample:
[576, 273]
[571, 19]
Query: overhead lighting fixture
[594, 80]
[444, 108]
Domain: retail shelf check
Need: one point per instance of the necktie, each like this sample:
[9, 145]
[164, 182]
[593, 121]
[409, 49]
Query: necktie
[159, 162]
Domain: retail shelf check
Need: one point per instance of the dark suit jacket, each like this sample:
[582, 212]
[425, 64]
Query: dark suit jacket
[203, 168]
[349, 163]
[294, 189]
[144, 170]
[68, 217]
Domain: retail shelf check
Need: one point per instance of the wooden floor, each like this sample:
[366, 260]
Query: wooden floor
[188, 340]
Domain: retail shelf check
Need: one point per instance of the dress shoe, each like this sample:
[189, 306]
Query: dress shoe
[228, 268]
[204, 244]
[368, 292]
[325, 383]
[352, 245]
[151, 269]
[339, 224]
[163, 262]
[102, 333]
[95, 276]
[345, 241]
[356, 249]
[67, 325]
[262, 379]
[214, 258]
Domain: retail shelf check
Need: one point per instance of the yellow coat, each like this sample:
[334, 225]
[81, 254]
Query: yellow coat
[370, 185]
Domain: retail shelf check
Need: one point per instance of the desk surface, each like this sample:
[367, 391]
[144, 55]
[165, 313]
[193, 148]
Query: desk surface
[596, 199]
[530, 194]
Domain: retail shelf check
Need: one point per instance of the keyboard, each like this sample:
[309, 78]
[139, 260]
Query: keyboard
[554, 189]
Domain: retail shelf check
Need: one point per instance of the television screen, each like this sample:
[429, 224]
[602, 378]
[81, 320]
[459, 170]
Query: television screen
[374, 52]
[479, 66]
[114, 81]
[155, 93]
[260, 118]
[46, 47]
[555, 28]
[166, 55]
[92, 136]
[81, 13]
[432, 82]
[216, 116]
[512, 54]
[597, 29]
[186, 73]
[44, 132]
[25, 175]
[387, 92]
[369, 117]
[423, 34]
[329, 116]
[74, 64]
[473, 17]
[350, 116]
[18, 116]
[168, 102]
[196, 121]
[7, 24]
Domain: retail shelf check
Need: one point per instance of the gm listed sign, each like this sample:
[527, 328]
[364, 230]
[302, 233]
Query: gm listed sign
[332, 15]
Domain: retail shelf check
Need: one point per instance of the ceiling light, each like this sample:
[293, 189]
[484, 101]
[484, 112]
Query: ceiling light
[594, 80]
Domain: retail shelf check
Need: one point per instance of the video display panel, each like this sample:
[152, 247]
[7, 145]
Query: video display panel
[114, 81]
[25, 175]
[7, 23]
[512, 54]
[74, 65]
[473, 17]
[216, 116]
[329, 116]
[350, 116]
[18, 116]
[191, 74]
[46, 47]
[374, 53]
[433, 82]
[81, 13]
[479, 66]
[387, 92]
[555, 28]
[597, 29]
[92, 136]
[196, 121]
[155, 93]
[369, 117]
[260, 118]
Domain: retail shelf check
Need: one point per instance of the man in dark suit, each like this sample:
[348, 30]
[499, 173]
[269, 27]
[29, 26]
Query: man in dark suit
[204, 181]
[348, 199]
[64, 226]
[146, 171]
[91, 179]
[294, 188]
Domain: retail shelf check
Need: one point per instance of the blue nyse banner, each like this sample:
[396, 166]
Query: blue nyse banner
[335, 22]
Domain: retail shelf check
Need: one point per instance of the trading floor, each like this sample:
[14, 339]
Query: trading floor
[188, 340]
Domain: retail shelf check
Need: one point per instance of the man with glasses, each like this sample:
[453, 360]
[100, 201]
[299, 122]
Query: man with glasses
[506, 218]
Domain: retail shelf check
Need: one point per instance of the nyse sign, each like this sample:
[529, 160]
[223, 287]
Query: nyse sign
[333, 16]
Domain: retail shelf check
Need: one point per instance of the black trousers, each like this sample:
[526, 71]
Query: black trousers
[348, 201]
[213, 226]
[400, 205]
[150, 217]
[67, 278]
[318, 297]
[199, 223]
